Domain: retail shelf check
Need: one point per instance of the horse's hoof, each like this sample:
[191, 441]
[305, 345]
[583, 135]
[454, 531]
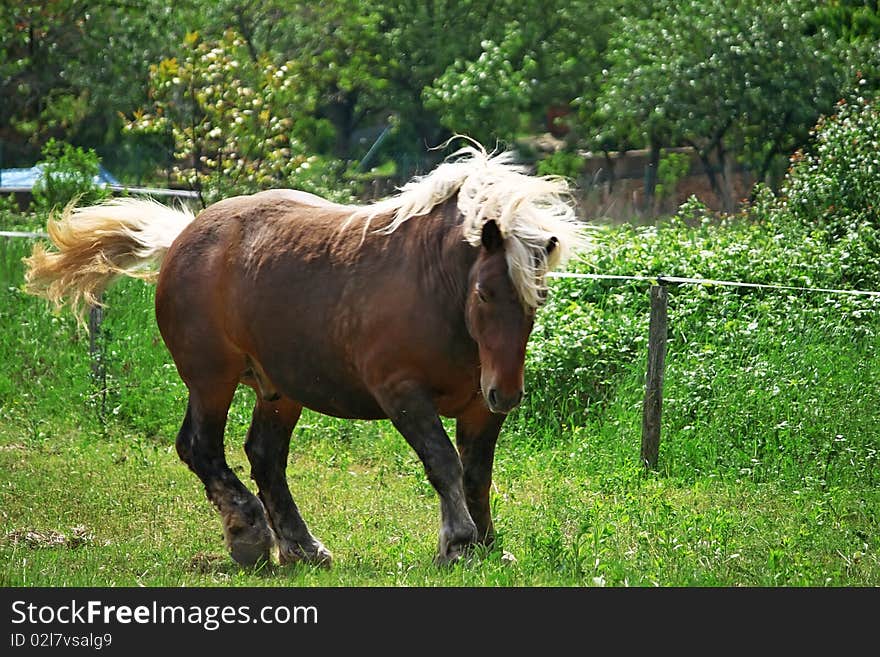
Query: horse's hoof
[250, 554]
[249, 545]
[460, 553]
[452, 549]
[315, 554]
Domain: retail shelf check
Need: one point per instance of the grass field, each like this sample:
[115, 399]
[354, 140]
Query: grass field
[768, 471]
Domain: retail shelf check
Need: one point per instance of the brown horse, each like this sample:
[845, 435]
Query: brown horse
[414, 307]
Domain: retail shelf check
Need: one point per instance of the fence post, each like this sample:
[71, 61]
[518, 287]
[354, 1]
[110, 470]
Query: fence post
[96, 352]
[652, 408]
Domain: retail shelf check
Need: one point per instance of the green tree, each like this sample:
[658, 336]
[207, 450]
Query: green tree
[68, 173]
[729, 77]
[486, 97]
[541, 57]
[631, 107]
[230, 121]
[69, 67]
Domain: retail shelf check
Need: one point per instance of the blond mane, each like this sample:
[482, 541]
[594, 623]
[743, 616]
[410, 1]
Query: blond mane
[529, 211]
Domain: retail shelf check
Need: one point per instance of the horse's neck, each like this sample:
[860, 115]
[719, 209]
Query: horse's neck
[445, 258]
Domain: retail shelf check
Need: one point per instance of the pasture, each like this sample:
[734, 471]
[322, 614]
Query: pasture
[768, 471]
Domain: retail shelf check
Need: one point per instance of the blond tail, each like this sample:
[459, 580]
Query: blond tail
[97, 244]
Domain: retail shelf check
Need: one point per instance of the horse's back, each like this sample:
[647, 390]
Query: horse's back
[295, 196]
[284, 201]
[326, 308]
[268, 279]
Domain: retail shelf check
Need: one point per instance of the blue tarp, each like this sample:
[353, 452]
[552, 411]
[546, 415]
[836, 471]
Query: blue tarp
[26, 178]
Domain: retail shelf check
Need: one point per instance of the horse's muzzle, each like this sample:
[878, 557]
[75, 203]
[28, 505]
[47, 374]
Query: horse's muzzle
[501, 403]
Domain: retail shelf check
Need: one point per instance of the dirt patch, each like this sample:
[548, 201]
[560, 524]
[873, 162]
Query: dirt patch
[207, 564]
[37, 539]
[12, 447]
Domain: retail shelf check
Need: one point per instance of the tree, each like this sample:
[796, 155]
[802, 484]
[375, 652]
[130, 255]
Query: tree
[855, 23]
[69, 67]
[728, 77]
[634, 95]
[230, 121]
[542, 56]
[485, 97]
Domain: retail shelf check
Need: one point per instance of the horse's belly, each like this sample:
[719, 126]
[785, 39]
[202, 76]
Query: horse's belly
[344, 404]
[326, 391]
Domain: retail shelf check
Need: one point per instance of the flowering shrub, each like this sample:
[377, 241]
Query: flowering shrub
[484, 97]
[836, 184]
[238, 124]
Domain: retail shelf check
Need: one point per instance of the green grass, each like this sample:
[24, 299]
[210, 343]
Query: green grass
[768, 465]
[142, 519]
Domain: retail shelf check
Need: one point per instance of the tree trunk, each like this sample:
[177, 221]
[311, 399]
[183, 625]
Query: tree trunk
[609, 163]
[651, 177]
[726, 186]
[341, 114]
[708, 169]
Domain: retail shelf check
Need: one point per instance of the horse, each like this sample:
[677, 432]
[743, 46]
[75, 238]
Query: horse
[409, 308]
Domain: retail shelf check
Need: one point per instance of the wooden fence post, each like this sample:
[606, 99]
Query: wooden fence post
[96, 352]
[653, 404]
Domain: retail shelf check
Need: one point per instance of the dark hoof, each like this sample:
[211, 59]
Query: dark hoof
[454, 547]
[250, 555]
[249, 545]
[314, 553]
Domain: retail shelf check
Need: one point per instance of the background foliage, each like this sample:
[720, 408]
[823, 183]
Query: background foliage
[242, 94]
[68, 173]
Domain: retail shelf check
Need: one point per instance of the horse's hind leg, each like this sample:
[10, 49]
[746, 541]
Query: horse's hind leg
[200, 446]
[267, 447]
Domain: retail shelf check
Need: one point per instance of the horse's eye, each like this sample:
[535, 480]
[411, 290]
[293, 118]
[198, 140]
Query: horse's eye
[481, 293]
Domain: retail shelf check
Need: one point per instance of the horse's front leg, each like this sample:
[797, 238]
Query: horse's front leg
[413, 414]
[476, 432]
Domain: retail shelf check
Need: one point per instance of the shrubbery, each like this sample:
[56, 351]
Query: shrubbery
[68, 173]
[562, 163]
[748, 371]
[836, 184]
[229, 117]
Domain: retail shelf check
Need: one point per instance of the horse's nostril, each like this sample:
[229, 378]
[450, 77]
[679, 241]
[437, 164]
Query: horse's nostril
[493, 397]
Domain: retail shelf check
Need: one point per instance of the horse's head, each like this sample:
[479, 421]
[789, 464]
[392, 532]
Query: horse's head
[499, 322]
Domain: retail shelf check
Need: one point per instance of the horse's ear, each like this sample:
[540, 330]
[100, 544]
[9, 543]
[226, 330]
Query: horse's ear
[492, 240]
[552, 244]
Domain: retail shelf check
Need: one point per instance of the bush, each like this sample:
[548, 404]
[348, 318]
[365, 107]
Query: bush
[68, 173]
[228, 117]
[562, 163]
[836, 184]
[670, 170]
[759, 383]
